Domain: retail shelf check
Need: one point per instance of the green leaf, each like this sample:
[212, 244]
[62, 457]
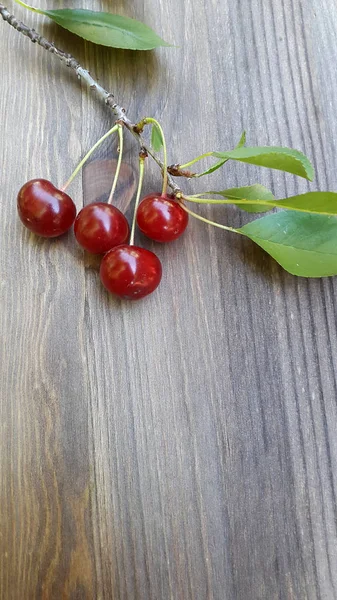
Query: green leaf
[219, 164]
[213, 168]
[106, 29]
[272, 157]
[156, 138]
[302, 243]
[320, 203]
[249, 192]
[242, 140]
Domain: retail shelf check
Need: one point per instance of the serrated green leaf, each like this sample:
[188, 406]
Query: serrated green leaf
[156, 139]
[303, 244]
[219, 164]
[106, 29]
[249, 192]
[272, 157]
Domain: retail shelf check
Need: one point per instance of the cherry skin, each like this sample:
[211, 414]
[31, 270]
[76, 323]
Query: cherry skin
[130, 272]
[161, 218]
[100, 227]
[44, 209]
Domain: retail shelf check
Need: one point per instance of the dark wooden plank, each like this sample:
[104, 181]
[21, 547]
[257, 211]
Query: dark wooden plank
[46, 537]
[182, 447]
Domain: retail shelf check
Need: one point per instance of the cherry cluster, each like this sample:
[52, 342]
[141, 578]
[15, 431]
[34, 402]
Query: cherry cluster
[126, 270]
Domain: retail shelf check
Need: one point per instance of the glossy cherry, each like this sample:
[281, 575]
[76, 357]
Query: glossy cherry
[130, 272]
[161, 218]
[100, 227]
[44, 209]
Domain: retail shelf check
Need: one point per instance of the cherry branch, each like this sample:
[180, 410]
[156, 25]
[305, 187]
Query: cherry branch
[83, 74]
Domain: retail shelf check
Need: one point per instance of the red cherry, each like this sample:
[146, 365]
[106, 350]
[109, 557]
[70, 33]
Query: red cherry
[161, 218]
[100, 227]
[130, 272]
[44, 209]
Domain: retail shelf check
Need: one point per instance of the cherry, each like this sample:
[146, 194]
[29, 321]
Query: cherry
[44, 209]
[130, 272]
[100, 226]
[161, 218]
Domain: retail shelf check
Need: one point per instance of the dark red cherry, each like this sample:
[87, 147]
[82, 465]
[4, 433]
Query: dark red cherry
[100, 227]
[44, 209]
[161, 218]
[130, 272]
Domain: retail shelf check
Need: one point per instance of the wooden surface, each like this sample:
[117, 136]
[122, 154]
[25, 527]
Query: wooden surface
[181, 448]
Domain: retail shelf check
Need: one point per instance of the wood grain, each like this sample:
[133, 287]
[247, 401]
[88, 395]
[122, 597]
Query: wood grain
[183, 447]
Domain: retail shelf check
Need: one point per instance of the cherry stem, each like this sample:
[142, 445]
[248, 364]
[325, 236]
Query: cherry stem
[158, 125]
[139, 191]
[119, 162]
[214, 223]
[195, 160]
[36, 10]
[88, 154]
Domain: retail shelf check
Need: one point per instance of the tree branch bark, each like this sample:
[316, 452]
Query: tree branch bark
[71, 62]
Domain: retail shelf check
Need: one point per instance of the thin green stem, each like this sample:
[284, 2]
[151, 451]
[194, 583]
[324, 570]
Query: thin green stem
[36, 10]
[245, 201]
[214, 223]
[195, 160]
[139, 191]
[88, 154]
[119, 162]
[157, 124]
[197, 200]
